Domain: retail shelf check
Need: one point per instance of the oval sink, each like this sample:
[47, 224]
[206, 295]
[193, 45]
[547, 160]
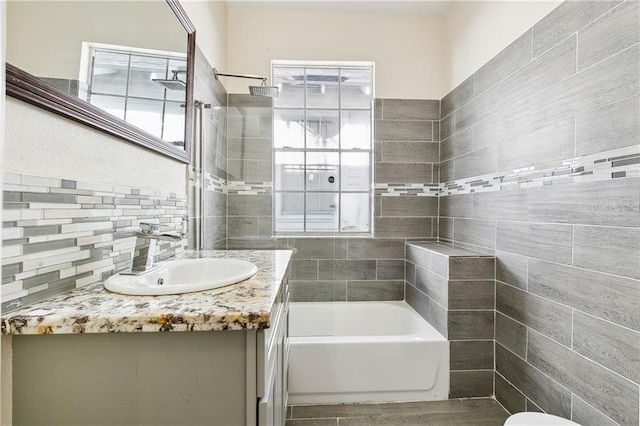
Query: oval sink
[183, 276]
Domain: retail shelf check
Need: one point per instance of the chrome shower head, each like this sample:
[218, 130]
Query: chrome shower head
[173, 83]
[264, 90]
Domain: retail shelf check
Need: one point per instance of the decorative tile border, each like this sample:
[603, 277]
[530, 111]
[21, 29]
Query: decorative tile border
[249, 188]
[211, 182]
[397, 189]
[614, 164]
[61, 234]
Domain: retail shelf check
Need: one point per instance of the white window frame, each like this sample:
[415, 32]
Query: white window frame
[370, 193]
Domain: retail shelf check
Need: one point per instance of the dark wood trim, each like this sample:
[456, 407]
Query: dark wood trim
[24, 86]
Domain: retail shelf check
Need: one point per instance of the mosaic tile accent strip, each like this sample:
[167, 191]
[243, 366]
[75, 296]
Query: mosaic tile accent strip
[249, 188]
[215, 183]
[211, 182]
[614, 164]
[62, 234]
[417, 189]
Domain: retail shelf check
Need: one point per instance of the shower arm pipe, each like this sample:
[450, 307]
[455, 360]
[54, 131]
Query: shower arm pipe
[229, 74]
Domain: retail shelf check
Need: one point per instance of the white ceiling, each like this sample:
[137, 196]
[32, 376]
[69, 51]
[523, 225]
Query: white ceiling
[422, 7]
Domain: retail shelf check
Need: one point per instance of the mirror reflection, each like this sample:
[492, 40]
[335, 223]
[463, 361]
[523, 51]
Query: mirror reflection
[127, 58]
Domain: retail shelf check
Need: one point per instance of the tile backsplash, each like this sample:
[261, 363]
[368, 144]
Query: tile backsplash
[62, 234]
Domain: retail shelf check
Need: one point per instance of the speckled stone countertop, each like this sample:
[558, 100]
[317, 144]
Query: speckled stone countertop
[93, 309]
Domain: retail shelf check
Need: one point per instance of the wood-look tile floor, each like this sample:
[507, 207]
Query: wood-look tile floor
[452, 412]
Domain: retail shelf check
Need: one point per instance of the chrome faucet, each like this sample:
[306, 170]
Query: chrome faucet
[146, 244]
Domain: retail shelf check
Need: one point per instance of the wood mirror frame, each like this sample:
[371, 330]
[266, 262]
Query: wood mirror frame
[24, 86]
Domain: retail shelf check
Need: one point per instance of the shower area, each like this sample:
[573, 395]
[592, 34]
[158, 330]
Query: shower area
[297, 171]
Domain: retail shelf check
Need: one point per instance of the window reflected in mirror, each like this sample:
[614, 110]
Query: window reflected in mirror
[144, 88]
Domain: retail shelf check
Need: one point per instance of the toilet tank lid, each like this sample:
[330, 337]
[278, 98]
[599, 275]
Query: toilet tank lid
[537, 419]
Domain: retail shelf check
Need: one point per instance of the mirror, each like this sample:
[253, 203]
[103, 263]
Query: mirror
[125, 68]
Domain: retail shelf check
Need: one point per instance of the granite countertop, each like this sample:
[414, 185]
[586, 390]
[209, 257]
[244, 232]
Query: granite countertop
[93, 309]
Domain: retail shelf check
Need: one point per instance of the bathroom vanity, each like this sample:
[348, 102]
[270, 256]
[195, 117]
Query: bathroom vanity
[215, 357]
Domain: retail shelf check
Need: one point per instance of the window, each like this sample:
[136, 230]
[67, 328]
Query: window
[322, 144]
[121, 82]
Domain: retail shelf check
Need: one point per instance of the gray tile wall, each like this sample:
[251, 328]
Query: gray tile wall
[339, 269]
[454, 290]
[567, 324]
[62, 234]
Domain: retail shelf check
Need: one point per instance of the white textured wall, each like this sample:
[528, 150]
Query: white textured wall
[407, 48]
[210, 20]
[44, 37]
[476, 31]
[41, 143]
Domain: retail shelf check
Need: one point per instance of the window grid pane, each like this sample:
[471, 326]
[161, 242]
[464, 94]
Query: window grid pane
[336, 146]
[137, 93]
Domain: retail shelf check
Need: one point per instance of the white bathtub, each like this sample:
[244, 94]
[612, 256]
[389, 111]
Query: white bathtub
[364, 352]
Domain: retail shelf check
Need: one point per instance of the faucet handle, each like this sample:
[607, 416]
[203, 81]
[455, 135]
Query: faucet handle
[149, 228]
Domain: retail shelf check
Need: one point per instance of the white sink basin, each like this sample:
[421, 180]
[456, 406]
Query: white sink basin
[183, 276]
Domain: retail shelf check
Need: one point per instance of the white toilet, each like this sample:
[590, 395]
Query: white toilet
[537, 419]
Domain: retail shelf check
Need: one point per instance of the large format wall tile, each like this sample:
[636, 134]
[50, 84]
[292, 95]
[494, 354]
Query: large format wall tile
[611, 80]
[481, 233]
[511, 269]
[467, 384]
[609, 127]
[371, 290]
[500, 205]
[458, 97]
[403, 173]
[610, 297]
[610, 393]
[513, 57]
[409, 206]
[615, 347]
[554, 142]
[542, 241]
[611, 203]
[478, 162]
[410, 109]
[554, 66]
[375, 249]
[612, 32]
[471, 355]
[456, 145]
[509, 123]
[612, 250]
[535, 312]
[547, 393]
[456, 206]
[565, 20]
[511, 334]
[404, 227]
[510, 397]
[410, 152]
[405, 130]
[585, 414]
[482, 106]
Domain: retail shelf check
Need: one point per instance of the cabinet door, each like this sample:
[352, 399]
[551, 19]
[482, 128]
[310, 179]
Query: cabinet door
[266, 406]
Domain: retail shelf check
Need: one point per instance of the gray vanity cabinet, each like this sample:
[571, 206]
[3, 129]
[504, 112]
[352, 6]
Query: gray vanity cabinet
[273, 359]
[217, 378]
